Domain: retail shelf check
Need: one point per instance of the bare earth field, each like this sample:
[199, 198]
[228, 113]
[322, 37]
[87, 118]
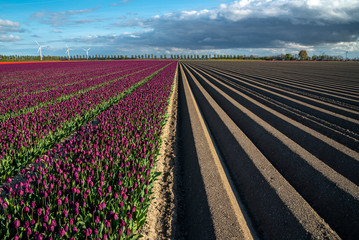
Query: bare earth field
[266, 150]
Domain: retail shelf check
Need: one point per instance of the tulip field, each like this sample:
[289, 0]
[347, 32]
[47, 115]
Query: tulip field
[78, 146]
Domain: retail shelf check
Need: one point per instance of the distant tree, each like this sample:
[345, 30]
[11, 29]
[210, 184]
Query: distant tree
[288, 56]
[303, 54]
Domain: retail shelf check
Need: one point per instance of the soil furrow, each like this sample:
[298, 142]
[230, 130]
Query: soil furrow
[279, 211]
[319, 184]
[228, 219]
[326, 84]
[338, 117]
[336, 155]
[332, 131]
[300, 99]
[325, 78]
[332, 96]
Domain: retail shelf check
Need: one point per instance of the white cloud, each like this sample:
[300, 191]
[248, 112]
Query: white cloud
[9, 38]
[62, 18]
[294, 45]
[297, 11]
[8, 23]
[344, 46]
[9, 26]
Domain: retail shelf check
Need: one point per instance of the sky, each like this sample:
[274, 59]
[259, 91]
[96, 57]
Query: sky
[126, 27]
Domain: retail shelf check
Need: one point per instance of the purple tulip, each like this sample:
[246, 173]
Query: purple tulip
[47, 210]
[44, 226]
[76, 211]
[88, 232]
[26, 209]
[28, 231]
[17, 223]
[107, 223]
[64, 212]
[39, 211]
[62, 232]
[97, 219]
[53, 223]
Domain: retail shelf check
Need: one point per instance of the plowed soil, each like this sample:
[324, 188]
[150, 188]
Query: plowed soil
[265, 150]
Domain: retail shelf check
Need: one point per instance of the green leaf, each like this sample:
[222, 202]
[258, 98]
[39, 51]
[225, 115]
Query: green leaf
[101, 228]
[134, 237]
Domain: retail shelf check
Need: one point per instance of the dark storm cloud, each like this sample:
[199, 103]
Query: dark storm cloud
[244, 24]
[247, 33]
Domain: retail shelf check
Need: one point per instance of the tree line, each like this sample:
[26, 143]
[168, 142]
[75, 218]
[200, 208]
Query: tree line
[302, 55]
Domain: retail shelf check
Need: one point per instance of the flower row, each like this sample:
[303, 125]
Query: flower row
[24, 137]
[97, 184]
[11, 105]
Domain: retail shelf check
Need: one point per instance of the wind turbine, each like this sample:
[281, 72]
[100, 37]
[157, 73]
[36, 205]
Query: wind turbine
[68, 51]
[39, 50]
[87, 53]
